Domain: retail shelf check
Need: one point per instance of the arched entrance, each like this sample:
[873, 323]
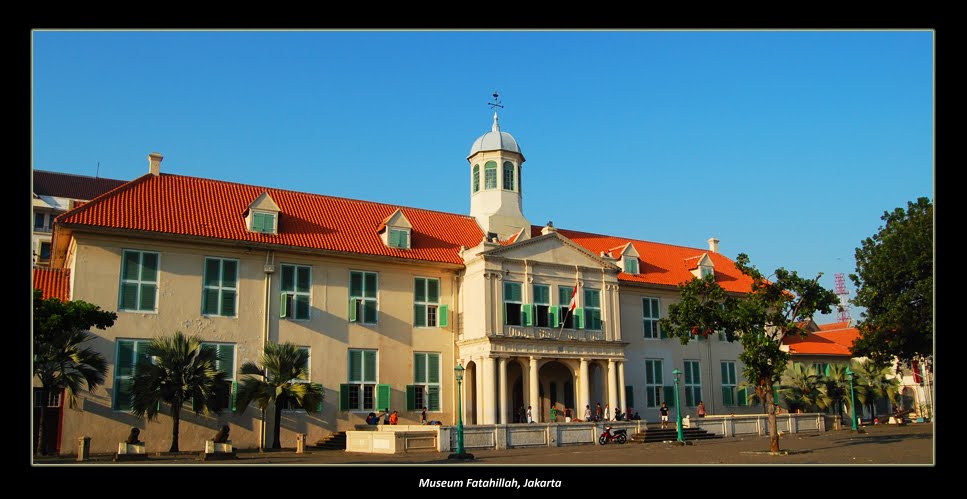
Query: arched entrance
[515, 376]
[470, 400]
[556, 386]
[597, 385]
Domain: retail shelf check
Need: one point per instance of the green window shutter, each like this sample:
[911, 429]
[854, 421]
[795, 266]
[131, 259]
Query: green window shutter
[527, 314]
[228, 303]
[725, 373]
[629, 396]
[432, 290]
[369, 366]
[669, 396]
[553, 316]
[394, 238]
[344, 396]
[419, 368]
[411, 397]
[775, 394]
[129, 296]
[355, 365]
[355, 284]
[284, 305]
[382, 396]
[743, 397]
[147, 297]
[443, 320]
[234, 395]
[419, 289]
[419, 315]
[433, 398]
[579, 318]
[353, 308]
[433, 367]
[302, 307]
[727, 396]
[661, 332]
[404, 239]
[371, 284]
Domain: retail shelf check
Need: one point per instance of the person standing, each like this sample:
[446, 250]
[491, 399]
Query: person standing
[663, 411]
[530, 417]
[394, 418]
[423, 416]
[701, 409]
[598, 412]
[553, 414]
[607, 412]
[587, 412]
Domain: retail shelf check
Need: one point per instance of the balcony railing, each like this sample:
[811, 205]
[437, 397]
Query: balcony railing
[534, 332]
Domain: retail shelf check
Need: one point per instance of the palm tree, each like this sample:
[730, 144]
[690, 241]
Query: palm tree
[280, 378]
[874, 382]
[800, 387]
[834, 390]
[177, 369]
[61, 362]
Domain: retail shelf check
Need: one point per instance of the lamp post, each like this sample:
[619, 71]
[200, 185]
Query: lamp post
[852, 397]
[460, 454]
[678, 406]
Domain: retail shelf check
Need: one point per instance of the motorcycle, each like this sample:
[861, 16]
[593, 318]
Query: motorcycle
[619, 435]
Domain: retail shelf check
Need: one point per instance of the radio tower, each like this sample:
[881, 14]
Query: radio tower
[843, 300]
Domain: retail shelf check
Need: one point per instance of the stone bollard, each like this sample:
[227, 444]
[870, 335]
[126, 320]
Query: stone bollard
[83, 448]
[300, 443]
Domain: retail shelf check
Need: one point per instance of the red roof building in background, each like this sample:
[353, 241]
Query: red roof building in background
[52, 283]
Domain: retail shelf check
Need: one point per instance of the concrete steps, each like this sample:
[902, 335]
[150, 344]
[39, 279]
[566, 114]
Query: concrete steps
[332, 441]
[656, 434]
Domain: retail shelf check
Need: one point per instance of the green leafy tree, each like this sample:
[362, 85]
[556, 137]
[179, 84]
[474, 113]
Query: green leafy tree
[280, 378]
[800, 387]
[177, 370]
[874, 381]
[772, 309]
[62, 362]
[894, 281]
[834, 388]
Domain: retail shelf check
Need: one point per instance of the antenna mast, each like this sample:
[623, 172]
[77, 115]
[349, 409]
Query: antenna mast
[843, 300]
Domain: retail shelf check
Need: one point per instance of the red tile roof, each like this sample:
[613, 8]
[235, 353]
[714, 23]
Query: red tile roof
[52, 283]
[67, 185]
[834, 326]
[191, 206]
[662, 263]
[832, 339]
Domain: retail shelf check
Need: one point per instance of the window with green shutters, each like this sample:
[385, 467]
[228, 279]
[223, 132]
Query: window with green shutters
[129, 354]
[653, 382]
[508, 176]
[668, 395]
[425, 390]
[476, 178]
[564, 301]
[706, 270]
[296, 286]
[822, 368]
[592, 309]
[426, 302]
[512, 303]
[225, 392]
[263, 222]
[220, 287]
[542, 304]
[139, 281]
[650, 311]
[359, 394]
[631, 265]
[490, 175]
[363, 292]
[693, 383]
[399, 238]
[728, 383]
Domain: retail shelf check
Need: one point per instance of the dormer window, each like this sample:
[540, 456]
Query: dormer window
[706, 270]
[263, 222]
[396, 230]
[631, 265]
[262, 215]
[399, 238]
[701, 266]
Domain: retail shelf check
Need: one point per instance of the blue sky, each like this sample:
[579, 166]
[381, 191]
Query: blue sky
[787, 146]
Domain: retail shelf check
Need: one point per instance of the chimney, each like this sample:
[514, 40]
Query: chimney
[547, 229]
[713, 245]
[154, 163]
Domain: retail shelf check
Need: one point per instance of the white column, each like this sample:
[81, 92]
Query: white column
[612, 387]
[621, 386]
[534, 394]
[585, 398]
[502, 379]
[489, 399]
[478, 377]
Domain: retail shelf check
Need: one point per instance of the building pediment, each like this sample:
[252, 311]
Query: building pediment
[551, 248]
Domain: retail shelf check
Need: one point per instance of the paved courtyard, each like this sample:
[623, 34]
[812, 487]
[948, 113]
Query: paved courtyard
[879, 445]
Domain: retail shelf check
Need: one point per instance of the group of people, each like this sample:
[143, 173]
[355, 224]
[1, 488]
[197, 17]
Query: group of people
[389, 418]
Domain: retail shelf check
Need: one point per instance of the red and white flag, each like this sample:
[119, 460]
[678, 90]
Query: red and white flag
[574, 299]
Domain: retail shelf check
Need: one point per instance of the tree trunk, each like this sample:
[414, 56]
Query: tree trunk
[277, 425]
[42, 438]
[773, 429]
[175, 420]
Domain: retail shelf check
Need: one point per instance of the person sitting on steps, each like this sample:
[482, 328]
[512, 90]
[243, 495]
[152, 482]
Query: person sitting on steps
[133, 437]
[222, 436]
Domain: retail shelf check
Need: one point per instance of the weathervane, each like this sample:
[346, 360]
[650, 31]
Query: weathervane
[496, 103]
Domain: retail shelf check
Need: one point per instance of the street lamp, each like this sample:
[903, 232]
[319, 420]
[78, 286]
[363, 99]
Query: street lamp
[460, 454]
[852, 396]
[678, 406]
